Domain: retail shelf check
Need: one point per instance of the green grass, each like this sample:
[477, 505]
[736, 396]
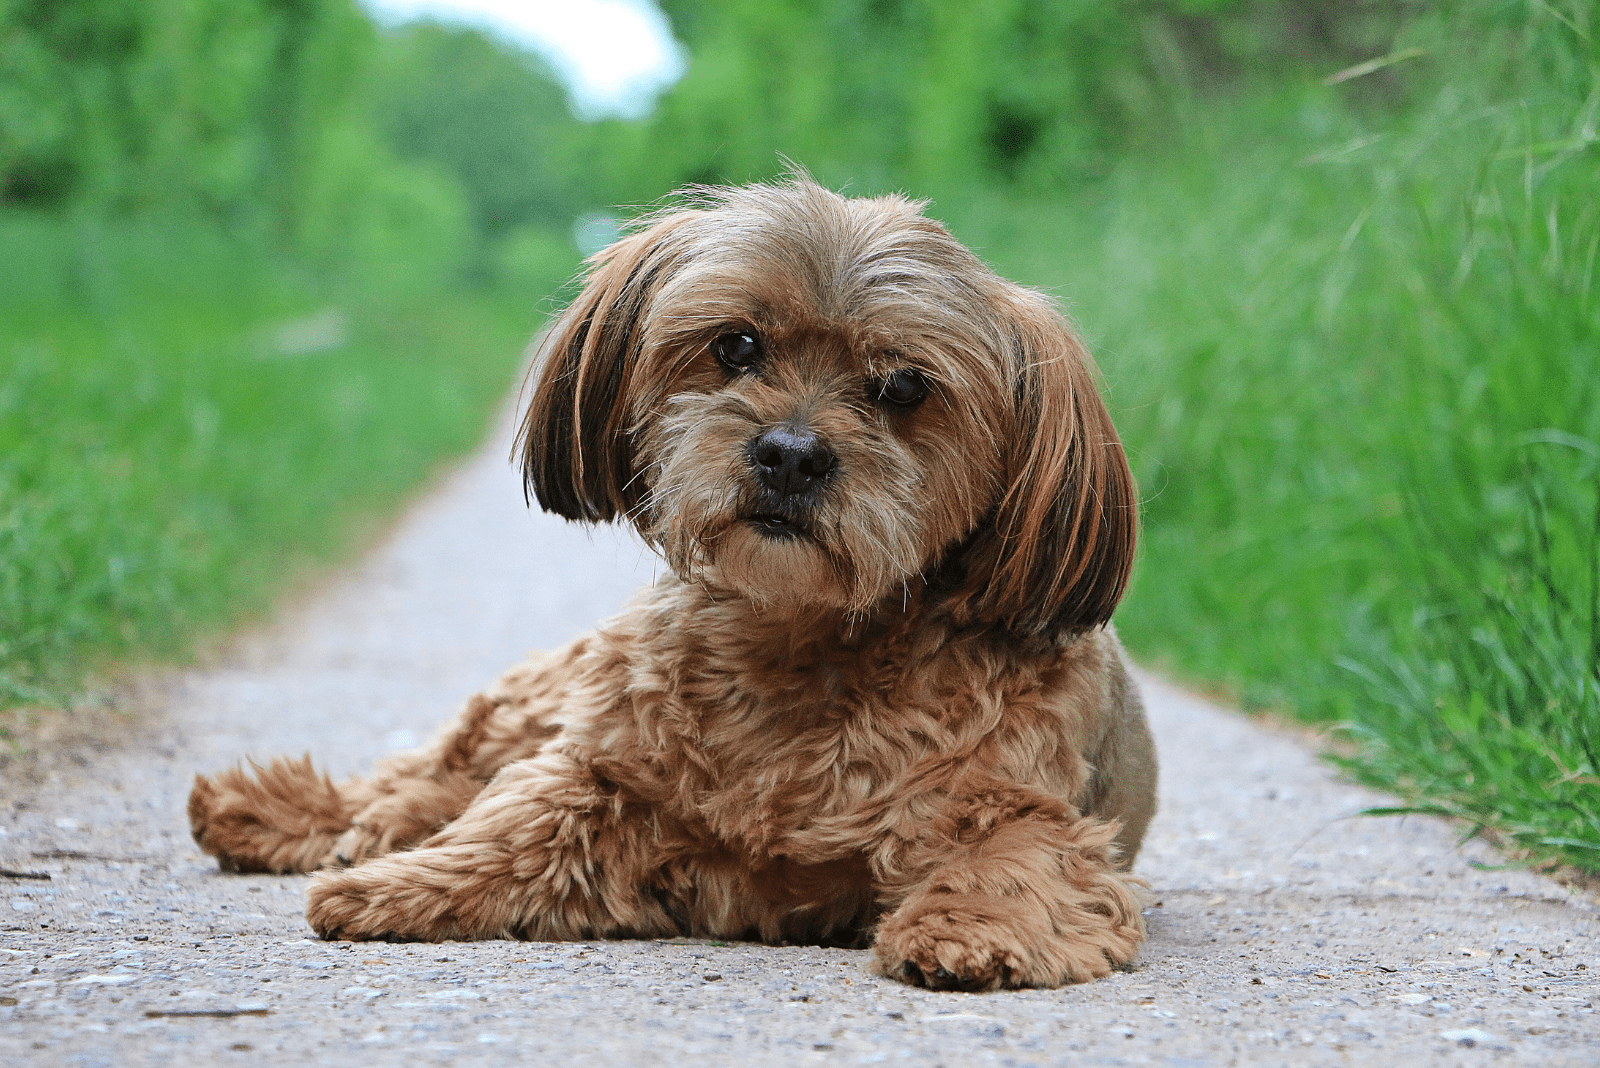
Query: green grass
[1355, 353]
[184, 433]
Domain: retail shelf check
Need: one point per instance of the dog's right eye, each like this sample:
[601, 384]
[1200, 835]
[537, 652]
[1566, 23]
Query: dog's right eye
[737, 351]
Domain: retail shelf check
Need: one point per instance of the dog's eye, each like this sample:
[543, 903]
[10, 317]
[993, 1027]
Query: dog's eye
[736, 351]
[905, 388]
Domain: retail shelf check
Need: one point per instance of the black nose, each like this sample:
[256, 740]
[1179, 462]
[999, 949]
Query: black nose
[791, 459]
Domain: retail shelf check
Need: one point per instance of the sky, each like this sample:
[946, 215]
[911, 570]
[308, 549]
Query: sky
[615, 56]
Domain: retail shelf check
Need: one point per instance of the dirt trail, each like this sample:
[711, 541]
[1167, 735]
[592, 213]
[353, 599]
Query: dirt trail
[1281, 932]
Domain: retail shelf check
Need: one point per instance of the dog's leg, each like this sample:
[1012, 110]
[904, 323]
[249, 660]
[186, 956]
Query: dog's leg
[283, 818]
[289, 818]
[412, 795]
[547, 851]
[1006, 889]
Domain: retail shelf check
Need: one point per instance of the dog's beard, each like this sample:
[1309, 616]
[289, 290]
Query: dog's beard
[848, 544]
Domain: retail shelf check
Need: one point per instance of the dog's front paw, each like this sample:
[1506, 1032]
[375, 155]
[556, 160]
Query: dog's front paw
[972, 943]
[374, 904]
[954, 944]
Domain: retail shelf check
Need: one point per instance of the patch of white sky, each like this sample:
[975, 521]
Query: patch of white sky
[615, 57]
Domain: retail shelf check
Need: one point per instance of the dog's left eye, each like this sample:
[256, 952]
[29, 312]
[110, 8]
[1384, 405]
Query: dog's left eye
[736, 351]
[905, 388]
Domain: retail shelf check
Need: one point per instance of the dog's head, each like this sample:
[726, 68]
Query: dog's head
[814, 400]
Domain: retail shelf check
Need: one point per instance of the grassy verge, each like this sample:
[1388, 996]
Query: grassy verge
[183, 433]
[1355, 352]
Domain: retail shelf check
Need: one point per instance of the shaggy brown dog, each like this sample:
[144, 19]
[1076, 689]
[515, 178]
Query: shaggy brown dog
[876, 701]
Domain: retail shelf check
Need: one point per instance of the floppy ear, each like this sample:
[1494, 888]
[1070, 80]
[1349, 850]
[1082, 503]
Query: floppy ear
[1060, 545]
[576, 456]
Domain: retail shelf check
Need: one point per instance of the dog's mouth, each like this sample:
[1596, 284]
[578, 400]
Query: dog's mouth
[777, 527]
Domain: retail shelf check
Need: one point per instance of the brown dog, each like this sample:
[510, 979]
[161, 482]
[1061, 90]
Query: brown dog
[876, 701]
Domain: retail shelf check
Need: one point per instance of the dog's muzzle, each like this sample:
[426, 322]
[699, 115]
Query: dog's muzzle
[790, 464]
[790, 460]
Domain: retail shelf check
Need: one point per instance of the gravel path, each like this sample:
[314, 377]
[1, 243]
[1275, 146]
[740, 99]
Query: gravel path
[1281, 932]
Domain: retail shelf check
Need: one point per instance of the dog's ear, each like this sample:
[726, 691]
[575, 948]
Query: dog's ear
[1059, 548]
[574, 446]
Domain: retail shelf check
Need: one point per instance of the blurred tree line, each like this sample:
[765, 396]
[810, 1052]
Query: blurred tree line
[946, 97]
[296, 126]
[428, 151]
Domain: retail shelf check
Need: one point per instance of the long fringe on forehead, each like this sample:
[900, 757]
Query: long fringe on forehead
[849, 260]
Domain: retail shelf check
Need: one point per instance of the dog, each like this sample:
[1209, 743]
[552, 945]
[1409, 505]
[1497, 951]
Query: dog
[877, 701]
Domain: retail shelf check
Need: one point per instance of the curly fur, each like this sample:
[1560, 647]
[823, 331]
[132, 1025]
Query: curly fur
[886, 710]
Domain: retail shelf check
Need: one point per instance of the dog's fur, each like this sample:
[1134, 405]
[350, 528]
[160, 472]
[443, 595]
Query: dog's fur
[876, 701]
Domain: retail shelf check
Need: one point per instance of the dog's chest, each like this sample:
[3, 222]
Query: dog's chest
[834, 737]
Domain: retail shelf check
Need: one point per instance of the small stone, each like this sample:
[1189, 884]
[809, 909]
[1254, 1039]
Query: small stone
[711, 977]
[1468, 1037]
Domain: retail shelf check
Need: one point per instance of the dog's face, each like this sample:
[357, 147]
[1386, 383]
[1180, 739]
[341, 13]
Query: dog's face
[815, 401]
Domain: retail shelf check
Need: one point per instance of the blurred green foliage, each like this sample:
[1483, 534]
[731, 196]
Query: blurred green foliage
[252, 292]
[944, 96]
[177, 454]
[1354, 346]
[245, 112]
[491, 117]
[295, 126]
